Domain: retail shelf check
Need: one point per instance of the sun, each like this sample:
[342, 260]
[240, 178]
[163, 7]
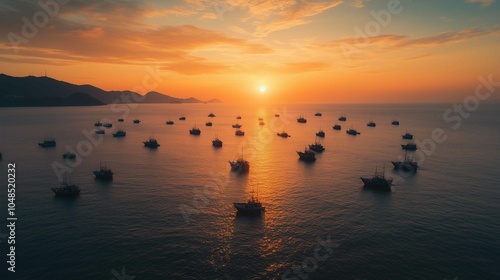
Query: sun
[262, 89]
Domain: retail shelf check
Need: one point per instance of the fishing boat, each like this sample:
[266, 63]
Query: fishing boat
[48, 142]
[320, 133]
[239, 133]
[208, 124]
[395, 122]
[262, 123]
[151, 143]
[103, 173]
[352, 132]
[121, 120]
[378, 181]
[337, 127]
[211, 115]
[97, 123]
[301, 119]
[317, 147]
[407, 164]
[238, 117]
[69, 155]
[120, 133]
[216, 142]
[136, 121]
[283, 134]
[277, 115]
[318, 114]
[108, 125]
[409, 147]
[252, 207]
[66, 189]
[240, 165]
[260, 119]
[371, 124]
[407, 136]
[307, 155]
[100, 131]
[170, 122]
[195, 131]
[237, 125]
[182, 118]
[342, 118]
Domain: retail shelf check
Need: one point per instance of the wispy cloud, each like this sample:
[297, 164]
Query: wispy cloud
[484, 3]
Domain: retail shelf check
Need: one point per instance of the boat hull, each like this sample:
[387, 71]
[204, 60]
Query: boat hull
[384, 185]
[405, 166]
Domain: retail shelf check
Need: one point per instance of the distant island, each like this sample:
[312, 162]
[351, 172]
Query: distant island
[44, 91]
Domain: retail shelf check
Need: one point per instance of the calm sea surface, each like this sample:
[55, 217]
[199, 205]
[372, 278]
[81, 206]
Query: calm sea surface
[168, 213]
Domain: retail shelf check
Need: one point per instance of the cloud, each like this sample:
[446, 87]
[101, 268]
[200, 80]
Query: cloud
[358, 3]
[484, 3]
[404, 41]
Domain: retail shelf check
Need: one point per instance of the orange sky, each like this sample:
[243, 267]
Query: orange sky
[301, 51]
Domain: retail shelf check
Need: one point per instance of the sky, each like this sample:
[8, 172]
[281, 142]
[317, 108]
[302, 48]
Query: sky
[289, 51]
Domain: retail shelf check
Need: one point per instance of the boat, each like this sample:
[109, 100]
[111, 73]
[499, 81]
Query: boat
[352, 132]
[378, 181]
[320, 133]
[301, 119]
[408, 136]
[317, 147]
[100, 131]
[136, 121]
[121, 120]
[318, 114]
[120, 133]
[47, 142]
[211, 115]
[208, 124]
[262, 123]
[239, 133]
[66, 189]
[195, 131]
[108, 125]
[409, 147]
[371, 124]
[240, 165]
[395, 122]
[406, 164]
[69, 155]
[252, 207]
[277, 115]
[283, 134]
[237, 125]
[238, 117]
[342, 118]
[182, 118]
[337, 127]
[151, 143]
[170, 122]
[98, 124]
[260, 119]
[307, 155]
[103, 173]
[216, 142]
[0, 155]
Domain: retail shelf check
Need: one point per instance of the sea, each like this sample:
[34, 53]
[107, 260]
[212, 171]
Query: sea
[168, 212]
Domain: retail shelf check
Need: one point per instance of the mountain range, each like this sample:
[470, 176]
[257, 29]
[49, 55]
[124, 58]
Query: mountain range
[46, 91]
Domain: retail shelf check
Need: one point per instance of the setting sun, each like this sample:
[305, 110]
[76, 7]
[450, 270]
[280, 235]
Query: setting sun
[262, 89]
